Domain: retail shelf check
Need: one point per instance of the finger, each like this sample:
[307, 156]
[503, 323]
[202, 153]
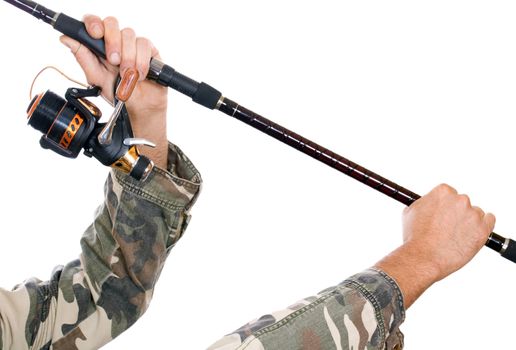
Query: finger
[444, 190]
[154, 54]
[113, 39]
[128, 50]
[479, 212]
[490, 221]
[464, 200]
[154, 51]
[143, 56]
[86, 59]
[94, 26]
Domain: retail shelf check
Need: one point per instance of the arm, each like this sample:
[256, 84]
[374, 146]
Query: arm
[93, 299]
[147, 105]
[442, 232]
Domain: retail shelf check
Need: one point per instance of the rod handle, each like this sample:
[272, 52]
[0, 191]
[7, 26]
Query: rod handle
[201, 93]
[77, 30]
[505, 246]
[510, 252]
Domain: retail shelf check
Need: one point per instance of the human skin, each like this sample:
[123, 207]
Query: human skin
[442, 232]
[147, 105]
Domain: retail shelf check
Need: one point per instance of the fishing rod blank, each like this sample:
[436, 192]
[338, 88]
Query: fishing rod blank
[209, 97]
[505, 246]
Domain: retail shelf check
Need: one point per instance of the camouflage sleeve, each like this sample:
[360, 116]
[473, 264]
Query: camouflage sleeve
[93, 299]
[363, 312]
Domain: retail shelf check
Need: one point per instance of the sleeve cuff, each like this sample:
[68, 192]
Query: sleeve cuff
[385, 296]
[175, 188]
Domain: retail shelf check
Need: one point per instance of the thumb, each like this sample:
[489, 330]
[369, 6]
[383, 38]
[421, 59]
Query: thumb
[490, 221]
[90, 64]
[72, 44]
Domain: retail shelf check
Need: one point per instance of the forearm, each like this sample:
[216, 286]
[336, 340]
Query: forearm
[365, 311]
[153, 128]
[149, 121]
[413, 273]
[124, 251]
[103, 293]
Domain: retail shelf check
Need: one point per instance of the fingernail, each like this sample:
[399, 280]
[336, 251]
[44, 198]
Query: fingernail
[96, 31]
[114, 58]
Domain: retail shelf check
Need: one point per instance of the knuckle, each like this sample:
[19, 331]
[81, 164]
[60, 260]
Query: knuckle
[143, 69]
[143, 45]
[479, 211]
[143, 42]
[126, 64]
[128, 33]
[90, 18]
[110, 20]
[445, 189]
[491, 219]
[463, 200]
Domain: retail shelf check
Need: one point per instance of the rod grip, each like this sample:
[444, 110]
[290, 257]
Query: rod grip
[168, 76]
[510, 251]
[77, 30]
[201, 93]
[505, 246]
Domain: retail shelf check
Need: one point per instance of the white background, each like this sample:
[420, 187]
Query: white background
[420, 92]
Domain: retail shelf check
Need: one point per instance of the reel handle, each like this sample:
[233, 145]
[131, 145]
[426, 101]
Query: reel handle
[127, 84]
[123, 92]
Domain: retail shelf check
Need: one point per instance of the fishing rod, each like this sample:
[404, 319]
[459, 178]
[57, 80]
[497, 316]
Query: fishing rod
[211, 98]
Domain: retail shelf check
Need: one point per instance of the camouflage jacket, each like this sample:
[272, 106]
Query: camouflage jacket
[93, 299]
[363, 312]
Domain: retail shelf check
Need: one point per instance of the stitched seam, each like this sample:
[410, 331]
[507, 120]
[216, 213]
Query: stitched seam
[399, 294]
[284, 321]
[177, 179]
[346, 284]
[149, 196]
[370, 297]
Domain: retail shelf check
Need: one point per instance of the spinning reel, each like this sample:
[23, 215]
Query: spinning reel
[72, 124]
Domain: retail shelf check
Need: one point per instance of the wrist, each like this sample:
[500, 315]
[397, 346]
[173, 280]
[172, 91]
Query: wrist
[152, 127]
[411, 268]
[158, 154]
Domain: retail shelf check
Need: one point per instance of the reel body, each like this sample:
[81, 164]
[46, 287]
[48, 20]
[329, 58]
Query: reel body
[71, 124]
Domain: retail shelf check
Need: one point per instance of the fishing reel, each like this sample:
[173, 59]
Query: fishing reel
[71, 124]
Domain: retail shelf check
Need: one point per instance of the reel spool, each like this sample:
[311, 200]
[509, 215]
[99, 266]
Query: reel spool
[71, 124]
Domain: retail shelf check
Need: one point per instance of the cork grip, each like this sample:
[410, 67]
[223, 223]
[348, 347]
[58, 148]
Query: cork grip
[127, 84]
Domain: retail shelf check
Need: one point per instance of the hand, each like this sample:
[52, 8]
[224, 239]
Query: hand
[147, 105]
[442, 233]
[446, 229]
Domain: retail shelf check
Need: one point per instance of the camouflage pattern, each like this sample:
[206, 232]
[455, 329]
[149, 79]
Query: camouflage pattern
[363, 312]
[93, 299]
